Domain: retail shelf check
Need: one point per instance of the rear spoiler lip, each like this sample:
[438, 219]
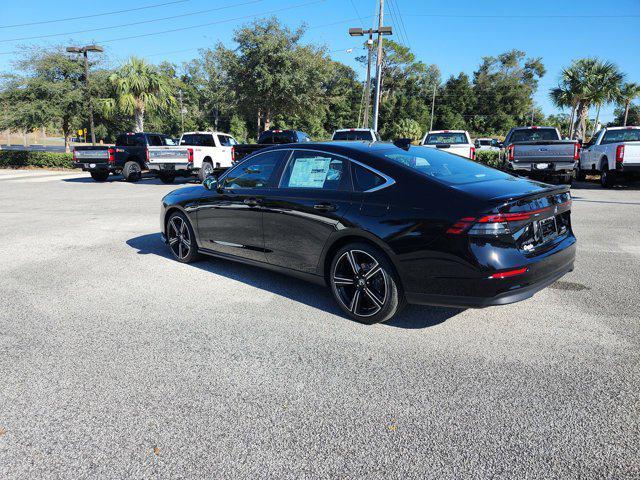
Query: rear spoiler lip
[506, 199]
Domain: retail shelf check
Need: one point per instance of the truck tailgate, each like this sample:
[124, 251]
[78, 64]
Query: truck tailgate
[544, 151]
[169, 155]
[464, 150]
[631, 153]
[83, 155]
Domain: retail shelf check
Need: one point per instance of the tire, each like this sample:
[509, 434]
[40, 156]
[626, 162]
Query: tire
[131, 171]
[181, 238]
[205, 170]
[581, 176]
[100, 175]
[607, 177]
[567, 179]
[166, 178]
[365, 284]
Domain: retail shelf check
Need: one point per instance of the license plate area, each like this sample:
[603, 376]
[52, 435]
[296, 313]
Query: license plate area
[169, 166]
[546, 229]
[541, 166]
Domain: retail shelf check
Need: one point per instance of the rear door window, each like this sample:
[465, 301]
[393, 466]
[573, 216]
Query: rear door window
[316, 170]
[155, 140]
[227, 141]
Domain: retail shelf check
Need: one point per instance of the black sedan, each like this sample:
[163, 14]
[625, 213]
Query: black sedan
[380, 224]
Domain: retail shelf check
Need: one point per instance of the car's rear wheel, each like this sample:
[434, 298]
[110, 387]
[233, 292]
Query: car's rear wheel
[100, 175]
[131, 171]
[205, 170]
[364, 283]
[607, 177]
[181, 238]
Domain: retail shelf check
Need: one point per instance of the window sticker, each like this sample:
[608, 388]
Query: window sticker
[309, 172]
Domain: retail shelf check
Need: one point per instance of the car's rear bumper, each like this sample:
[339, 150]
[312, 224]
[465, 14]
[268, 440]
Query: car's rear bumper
[161, 167]
[484, 291]
[89, 166]
[543, 166]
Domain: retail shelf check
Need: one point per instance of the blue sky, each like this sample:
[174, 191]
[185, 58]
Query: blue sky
[454, 36]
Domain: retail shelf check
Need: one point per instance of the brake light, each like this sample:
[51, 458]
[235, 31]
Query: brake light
[472, 153]
[510, 273]
[112, 155]
[576, 151]
[147, 154]
[190, 155]
[233, 154]
[75, 159]
[511, 152]
[534, 127]
[461, 225]
[620, 154]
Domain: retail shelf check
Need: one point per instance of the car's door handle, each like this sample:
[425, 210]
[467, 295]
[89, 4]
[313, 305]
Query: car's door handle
[252, 202]
[325, 207]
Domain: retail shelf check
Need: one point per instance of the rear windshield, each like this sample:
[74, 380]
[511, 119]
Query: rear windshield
[444, 167]
[531, 135]
[615, 136]
[270, 138]
[354, 135]
[448, 138]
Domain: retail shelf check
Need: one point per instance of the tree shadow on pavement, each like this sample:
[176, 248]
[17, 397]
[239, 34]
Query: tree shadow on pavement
[412, 317]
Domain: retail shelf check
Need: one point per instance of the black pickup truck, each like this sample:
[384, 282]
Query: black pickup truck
[266, 138]
[129, 156]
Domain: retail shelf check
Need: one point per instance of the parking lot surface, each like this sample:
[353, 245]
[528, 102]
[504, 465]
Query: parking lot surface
[118, 362]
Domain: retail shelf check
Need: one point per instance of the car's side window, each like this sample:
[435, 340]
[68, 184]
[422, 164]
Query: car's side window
[227, 141]
[365, 179]
[256, 172]
[316, 170]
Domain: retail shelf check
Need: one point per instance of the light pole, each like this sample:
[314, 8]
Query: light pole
[359, 32]
[84, 51]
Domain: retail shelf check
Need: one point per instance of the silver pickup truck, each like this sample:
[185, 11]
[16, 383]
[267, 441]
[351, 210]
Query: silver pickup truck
[540, 152]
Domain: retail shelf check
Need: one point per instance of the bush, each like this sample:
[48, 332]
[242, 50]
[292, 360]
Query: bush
[490, 158]
[23, 158]
[406, 128]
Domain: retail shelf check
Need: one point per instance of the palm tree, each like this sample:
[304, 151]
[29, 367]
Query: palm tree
[628, 93]
[139, 88]
[588, 81]
[562, 97]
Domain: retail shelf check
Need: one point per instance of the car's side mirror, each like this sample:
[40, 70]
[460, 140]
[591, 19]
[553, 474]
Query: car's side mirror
[210, 183]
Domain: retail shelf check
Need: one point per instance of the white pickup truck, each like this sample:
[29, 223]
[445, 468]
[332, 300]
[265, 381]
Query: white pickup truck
[457, 142]
[614, 153]
[365, 134]
[208, 152]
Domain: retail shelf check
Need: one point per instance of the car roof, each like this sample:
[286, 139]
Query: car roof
[447, 131]
[205, 133]
[353, 130]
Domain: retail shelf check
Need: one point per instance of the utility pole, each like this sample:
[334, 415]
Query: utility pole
[381, 30]
[433, 105]
[181, 110]
[367, 89]
[85, 51]
[376, 106]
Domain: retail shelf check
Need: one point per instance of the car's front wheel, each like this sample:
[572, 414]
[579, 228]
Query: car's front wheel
[181, 238]
[364, 283]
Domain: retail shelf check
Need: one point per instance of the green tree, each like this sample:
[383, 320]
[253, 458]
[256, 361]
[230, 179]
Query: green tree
[48, 89]
[504, 87]
[455, 104]
[632, 114]
[627, 94]
[406, 128]
[138, 88]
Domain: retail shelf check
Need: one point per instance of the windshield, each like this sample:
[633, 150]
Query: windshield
[628, 135]
[269, 138]
[445, 137]
[353, 135]
[485, 143]
[533, 135]
[445, 167]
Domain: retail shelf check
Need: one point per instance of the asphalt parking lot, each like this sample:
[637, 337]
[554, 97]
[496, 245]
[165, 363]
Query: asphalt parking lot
[116, 361]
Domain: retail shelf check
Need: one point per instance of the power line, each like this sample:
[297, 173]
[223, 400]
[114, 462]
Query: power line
[393, 4]
[93, 15]
[357, 13]
[111, 27]
[181, 29]
[439, 15]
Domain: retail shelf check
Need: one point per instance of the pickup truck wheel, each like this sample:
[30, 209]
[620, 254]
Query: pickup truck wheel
[205, 170]
[181, 238]
[99, 176]
[166, 177]
[131, 171]
[607, 177]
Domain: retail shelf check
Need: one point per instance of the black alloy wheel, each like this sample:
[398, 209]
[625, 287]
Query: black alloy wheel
[181, 238]
[364, 284]
[131, 171]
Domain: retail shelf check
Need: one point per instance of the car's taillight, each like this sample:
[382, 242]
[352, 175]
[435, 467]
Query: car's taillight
[620, 154]
[190, 157]
[233, 154]
[472, 153]
[75, 159]
[147, 154]
[112, 155]
[576, 151]
[510, 273]
[461, 225]
[511, 152]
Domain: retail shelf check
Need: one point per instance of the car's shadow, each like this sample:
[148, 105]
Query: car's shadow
[411, 317]
[146, 179]
[594, 184]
